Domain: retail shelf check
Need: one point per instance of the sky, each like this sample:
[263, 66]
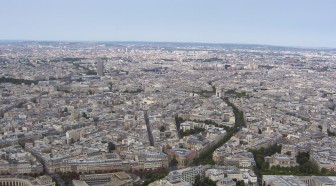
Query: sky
[300, 23]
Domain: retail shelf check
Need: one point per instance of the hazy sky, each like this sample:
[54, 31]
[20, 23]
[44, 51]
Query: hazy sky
[278, 22]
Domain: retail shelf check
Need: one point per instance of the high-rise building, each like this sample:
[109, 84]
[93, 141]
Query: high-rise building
[100, 68]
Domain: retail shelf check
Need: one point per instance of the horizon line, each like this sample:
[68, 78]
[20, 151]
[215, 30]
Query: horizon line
[182, 42]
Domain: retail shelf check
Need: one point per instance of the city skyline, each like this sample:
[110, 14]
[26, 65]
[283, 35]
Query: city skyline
[167, 93]
[296, 24]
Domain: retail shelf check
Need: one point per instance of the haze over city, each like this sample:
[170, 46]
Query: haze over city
[298, 23]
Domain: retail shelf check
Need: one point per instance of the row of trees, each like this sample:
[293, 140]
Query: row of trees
[196, 130]
[17, 81]
[134, 91]
[153, 176]
[208, 182]
[239, 115]
[206, 157]
[178, 121]
[236, 94]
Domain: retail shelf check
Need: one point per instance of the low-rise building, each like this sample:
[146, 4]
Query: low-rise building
[27, 181]
[282, 160]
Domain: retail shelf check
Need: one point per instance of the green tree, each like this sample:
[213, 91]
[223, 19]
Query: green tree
[162, 128]
[198, 181]
[91, 72]
[259, 131]
[240, 183]
[330, 133]
[110, 85]
[84, 115]
[264, 165]
[111, 146]
[174, 161]
[196, 161]
[90, 92]
[309, 168]
[302, 158]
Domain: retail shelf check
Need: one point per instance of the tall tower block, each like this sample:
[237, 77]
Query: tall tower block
[100, 68]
